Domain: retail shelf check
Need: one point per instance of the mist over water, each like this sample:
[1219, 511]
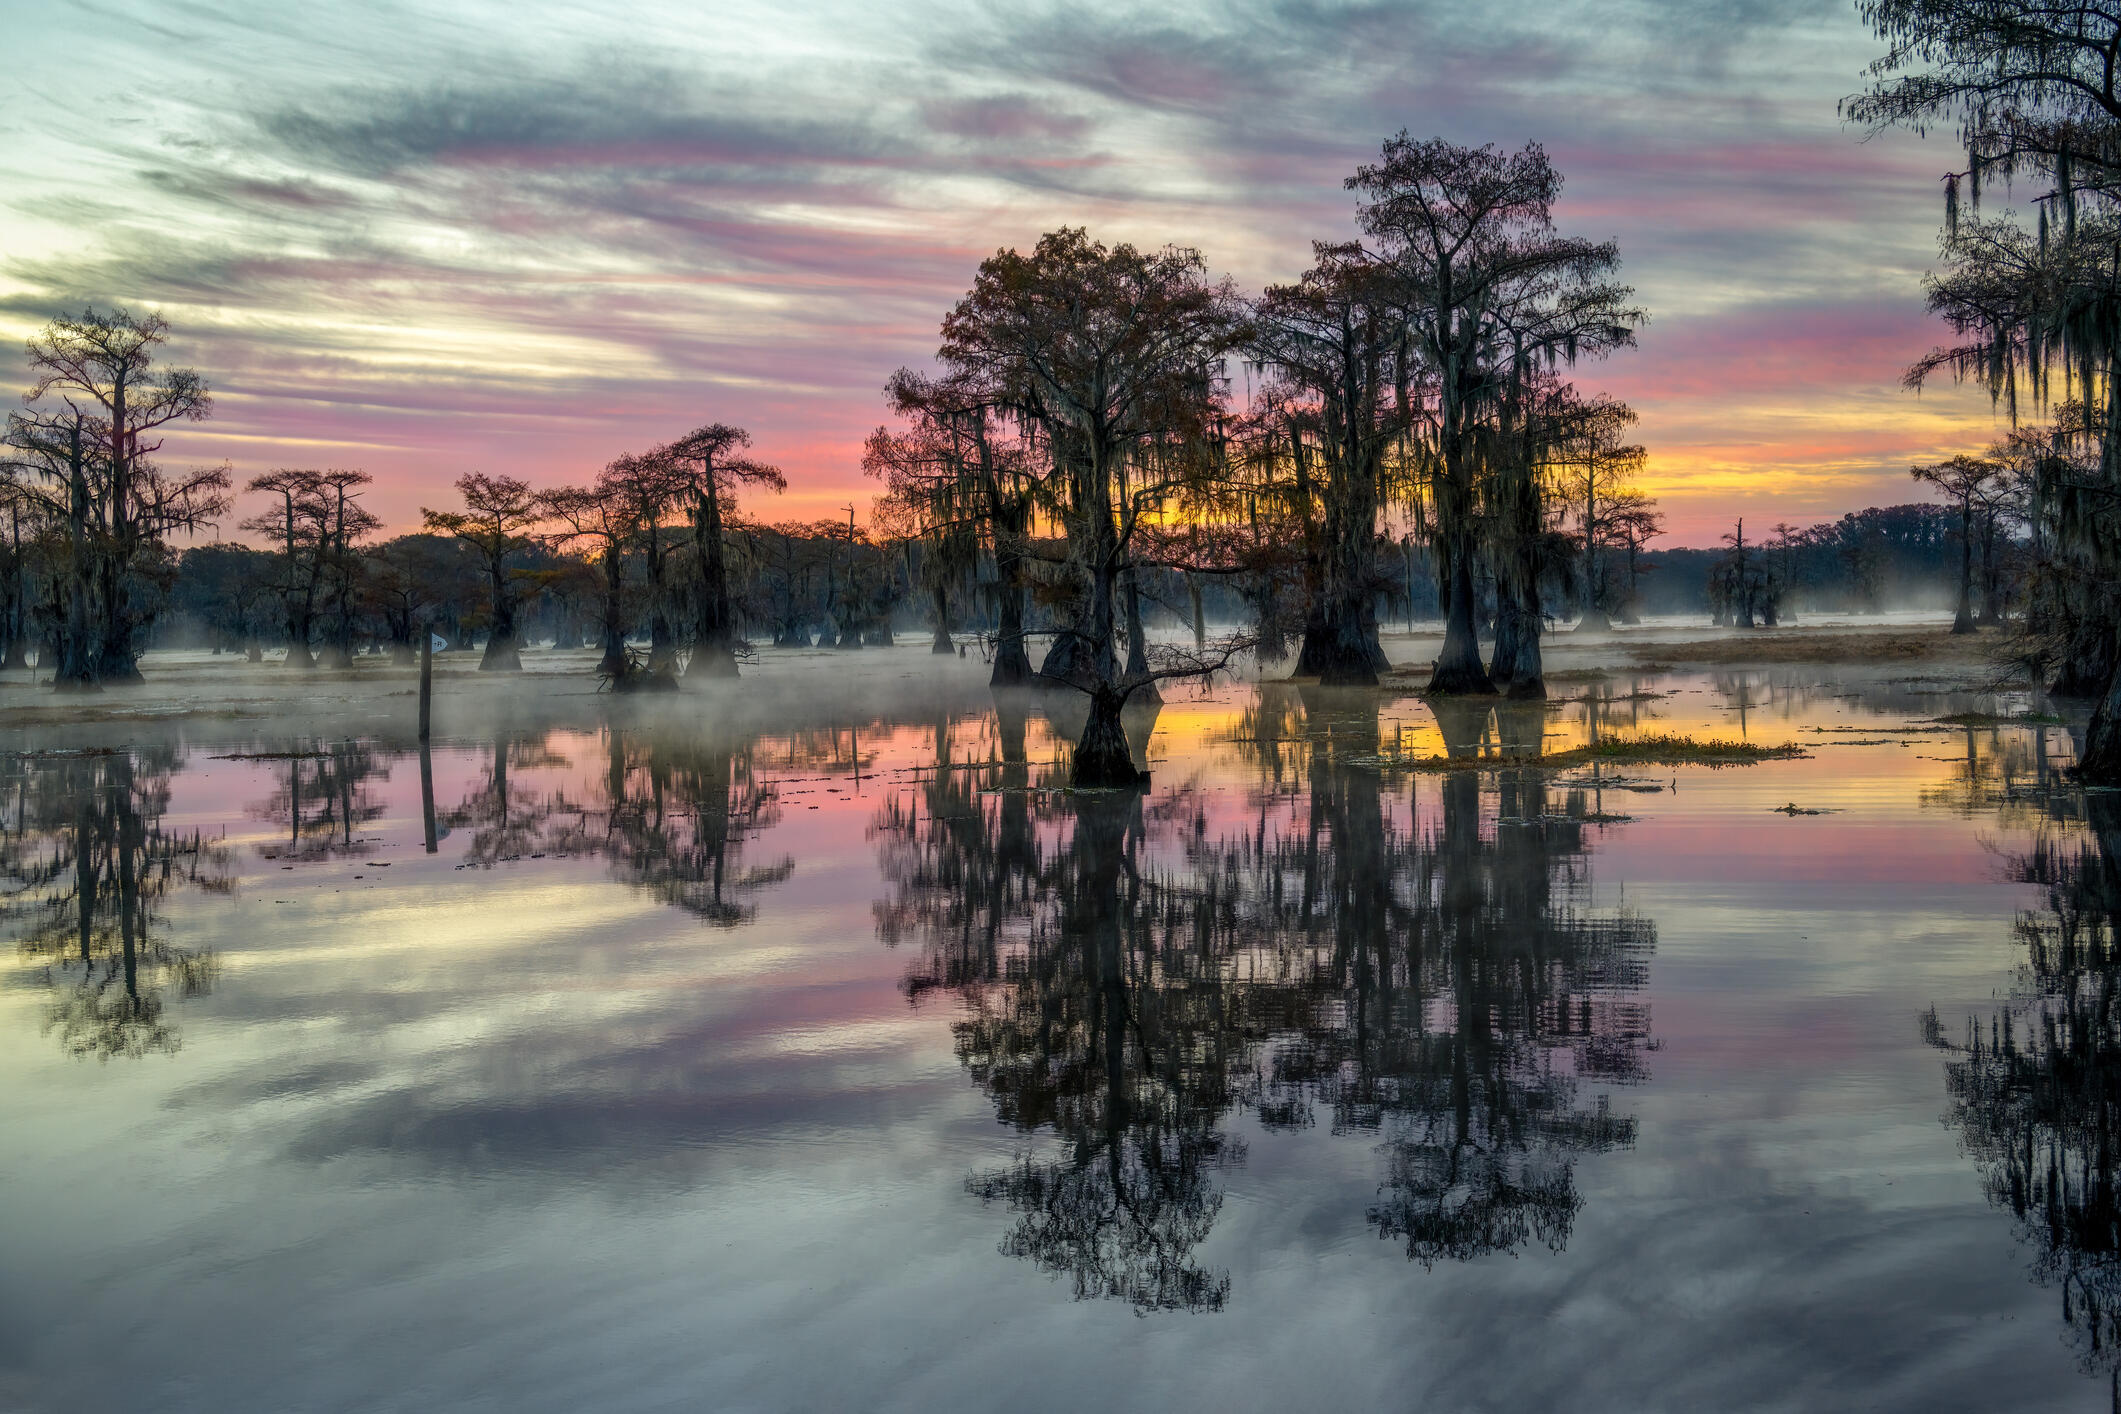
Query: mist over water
[808, 1045]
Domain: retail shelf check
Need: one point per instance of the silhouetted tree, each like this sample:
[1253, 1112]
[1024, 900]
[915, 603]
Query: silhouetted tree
[2032, 91]
[1492, 295]
[412, 583]
[83, 448]
[713, 468]
[1115, 356]
[1596, 463]
[957, 473]
[1968, 482]
[499, 514]
[319, 524]
[599, 517]
[228, 590]
[1346, 394]
[651, 487]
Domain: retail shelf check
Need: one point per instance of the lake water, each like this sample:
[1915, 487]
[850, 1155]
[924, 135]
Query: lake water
[814, 1050]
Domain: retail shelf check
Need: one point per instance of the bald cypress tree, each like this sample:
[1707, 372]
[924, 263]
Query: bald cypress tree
[83, 449]
[1492, 295]
[714, 468]
[499, 514]
[1114, 355]
[2032, 92]
[1346, 396]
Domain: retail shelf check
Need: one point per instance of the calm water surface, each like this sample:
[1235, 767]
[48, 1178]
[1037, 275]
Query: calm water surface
[798, 1056]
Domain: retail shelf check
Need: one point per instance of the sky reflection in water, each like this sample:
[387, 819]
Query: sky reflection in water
[839, 1060]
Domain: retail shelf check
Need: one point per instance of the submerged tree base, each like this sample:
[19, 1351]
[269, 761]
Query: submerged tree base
[1342, 655]
[1461, 680]
[711, 663]
[1104, 757]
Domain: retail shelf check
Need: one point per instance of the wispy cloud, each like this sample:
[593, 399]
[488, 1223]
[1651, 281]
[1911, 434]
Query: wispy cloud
[517, 234]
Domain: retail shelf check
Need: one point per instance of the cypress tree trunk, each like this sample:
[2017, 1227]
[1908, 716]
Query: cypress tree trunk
[1963, 616]
[2090, 664]
[613, 663]
[1519, 668]
[14, 642]
[1458, 671]
[1502, 657]
[662, 640]
[1340, 647]
[1273, 644]
[714, 652]
[1103, 757]
[298, 630]
[76, 670]
[1012, 665]
[1082, 655]
[116, 660]
[338, 645]
[942, 642]
[1406, 560]
[501, 655]
[1991, 575]
[1137, 642]
[2101, 762]
[1064, 660]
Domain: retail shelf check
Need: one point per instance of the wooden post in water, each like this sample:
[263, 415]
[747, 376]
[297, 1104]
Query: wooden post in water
[427, 793]
[427, 769]
[427, 678]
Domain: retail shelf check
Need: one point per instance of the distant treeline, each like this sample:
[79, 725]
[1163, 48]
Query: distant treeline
[798, 584]
[1883, 557]
[793, 585]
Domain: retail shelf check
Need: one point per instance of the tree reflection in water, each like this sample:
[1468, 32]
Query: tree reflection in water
[85, 867]
[1132, 974]
[2036, 1090]
[674, 820]
[671, 813]
[325, 800]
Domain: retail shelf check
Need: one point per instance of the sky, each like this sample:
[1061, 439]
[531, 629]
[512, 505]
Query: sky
[530, 237]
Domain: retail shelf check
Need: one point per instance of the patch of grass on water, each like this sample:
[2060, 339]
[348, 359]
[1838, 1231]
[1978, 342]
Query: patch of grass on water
[1650, 749]
[1672, 749]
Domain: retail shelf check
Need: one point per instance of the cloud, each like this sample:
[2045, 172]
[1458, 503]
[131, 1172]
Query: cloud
[423, 238]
